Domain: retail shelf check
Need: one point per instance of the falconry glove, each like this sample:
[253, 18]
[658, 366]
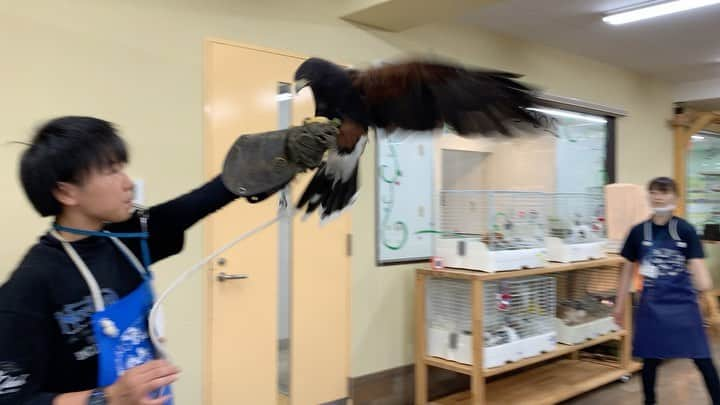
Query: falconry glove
[259, 165]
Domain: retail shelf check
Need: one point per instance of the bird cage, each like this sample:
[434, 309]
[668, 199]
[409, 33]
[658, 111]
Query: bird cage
[518, 319]
[449, 319]
[586, 300]
[595, 189]
[576, 227]
[492, 230]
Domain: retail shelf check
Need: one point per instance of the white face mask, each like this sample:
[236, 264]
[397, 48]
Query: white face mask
[664, 210]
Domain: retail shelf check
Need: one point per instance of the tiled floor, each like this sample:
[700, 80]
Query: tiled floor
[678, 383]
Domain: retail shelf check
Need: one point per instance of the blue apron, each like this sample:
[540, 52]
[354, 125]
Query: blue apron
[668, 322]
[121, 329]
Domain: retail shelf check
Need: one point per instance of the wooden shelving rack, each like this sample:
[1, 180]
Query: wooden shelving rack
[565, 373]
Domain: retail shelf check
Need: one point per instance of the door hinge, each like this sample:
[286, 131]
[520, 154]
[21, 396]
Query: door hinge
[348, 244]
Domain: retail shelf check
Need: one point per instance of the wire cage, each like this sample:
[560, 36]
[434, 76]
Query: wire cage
[478, 224]
[577, 217]
[586, 300]
[448, 314]
[518, 319]
[576, 226]
[595, 189]
[504, 220]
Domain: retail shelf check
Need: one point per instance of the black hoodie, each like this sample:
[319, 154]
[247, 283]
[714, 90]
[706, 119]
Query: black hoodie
[46, 343]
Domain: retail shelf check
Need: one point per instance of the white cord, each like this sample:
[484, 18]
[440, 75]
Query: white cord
[95, 292]
[153, 312]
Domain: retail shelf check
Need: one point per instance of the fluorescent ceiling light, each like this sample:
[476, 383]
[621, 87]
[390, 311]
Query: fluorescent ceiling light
[656, 10]
[697, 137]
[568, 114]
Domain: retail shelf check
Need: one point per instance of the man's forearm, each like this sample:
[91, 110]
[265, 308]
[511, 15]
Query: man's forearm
[184, 211]
[700, 274]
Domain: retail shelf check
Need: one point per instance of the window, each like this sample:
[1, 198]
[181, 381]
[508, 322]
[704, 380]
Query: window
[583, 155]
[703, 180]
[573, 152]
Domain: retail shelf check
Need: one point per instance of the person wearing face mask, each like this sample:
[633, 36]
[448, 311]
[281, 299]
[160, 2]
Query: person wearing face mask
[668, 322]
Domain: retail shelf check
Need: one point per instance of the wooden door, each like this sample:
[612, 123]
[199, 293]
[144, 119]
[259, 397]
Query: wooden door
[241, 359]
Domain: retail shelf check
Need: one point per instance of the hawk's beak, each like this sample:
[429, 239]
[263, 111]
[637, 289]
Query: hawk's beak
[300, 84]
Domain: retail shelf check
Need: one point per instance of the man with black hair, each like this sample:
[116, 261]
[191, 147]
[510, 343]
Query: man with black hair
[668, 323]
[73, 315]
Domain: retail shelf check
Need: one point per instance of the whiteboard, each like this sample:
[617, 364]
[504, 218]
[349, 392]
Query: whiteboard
[404, 196]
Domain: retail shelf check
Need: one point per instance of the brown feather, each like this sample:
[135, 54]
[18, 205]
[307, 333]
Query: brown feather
[348, 135]
[420, 95]
[397, 79]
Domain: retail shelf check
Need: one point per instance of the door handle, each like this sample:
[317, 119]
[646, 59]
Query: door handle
[222, 276]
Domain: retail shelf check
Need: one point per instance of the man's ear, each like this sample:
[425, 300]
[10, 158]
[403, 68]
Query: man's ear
[66, 193]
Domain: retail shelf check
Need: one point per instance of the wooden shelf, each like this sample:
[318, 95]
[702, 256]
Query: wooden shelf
[610, 261]
[549, 384]
[449, 365]
[562, 350]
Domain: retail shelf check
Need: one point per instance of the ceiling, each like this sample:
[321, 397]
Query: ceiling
[711, 104]
[678, 48]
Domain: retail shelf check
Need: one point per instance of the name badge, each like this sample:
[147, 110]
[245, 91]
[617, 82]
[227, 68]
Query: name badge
[647, 243]
[682, 244]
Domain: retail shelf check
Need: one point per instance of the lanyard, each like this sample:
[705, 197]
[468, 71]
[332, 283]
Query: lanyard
[143, 236]
[98, 301]
[114, 237]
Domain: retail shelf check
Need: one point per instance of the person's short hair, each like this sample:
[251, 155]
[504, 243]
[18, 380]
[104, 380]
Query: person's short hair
[67, 149]
[663, 184]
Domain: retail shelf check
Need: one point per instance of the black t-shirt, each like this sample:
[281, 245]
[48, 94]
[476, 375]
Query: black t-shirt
[632, 248]
[46, 343]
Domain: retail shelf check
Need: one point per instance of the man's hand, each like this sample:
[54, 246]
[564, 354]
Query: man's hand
[134, 387]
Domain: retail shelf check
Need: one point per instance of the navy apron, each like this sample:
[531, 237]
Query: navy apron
[668, 321]
[120, 329]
